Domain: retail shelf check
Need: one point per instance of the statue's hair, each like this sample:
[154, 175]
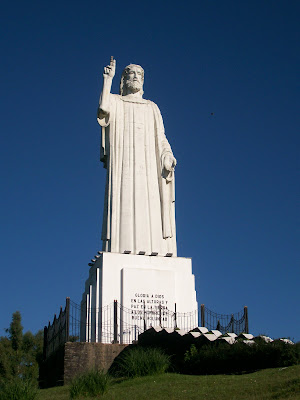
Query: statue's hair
[123, 89]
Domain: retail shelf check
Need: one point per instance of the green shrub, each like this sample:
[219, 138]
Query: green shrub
[237, 358]
[17, 389]
[140, 361]
[91, 384]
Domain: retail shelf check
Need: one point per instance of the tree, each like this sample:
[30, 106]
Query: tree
[6, 357]
[16, 331]
[20, 353]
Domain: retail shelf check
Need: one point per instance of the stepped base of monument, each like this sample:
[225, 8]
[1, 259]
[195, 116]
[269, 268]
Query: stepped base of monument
[146, 291]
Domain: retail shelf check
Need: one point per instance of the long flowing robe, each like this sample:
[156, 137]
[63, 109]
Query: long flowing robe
[139, 209]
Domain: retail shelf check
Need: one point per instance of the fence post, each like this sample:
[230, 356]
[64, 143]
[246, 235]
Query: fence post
[45, 343]
[115, 321]
[145, 326]
[67, 311]
[202, 315]
[246, 319]
[232, 323]
[159, 308]
[53, 336]
[175, 317]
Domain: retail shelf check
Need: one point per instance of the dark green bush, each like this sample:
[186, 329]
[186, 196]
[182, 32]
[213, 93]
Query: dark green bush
[140, 361]
[17, 389]
[237, 358]
[91, 384]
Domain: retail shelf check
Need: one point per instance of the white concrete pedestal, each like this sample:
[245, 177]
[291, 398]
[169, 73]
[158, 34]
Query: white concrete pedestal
[150, 291]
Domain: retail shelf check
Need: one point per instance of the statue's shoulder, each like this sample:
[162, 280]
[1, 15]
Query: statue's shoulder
[154, 106]
[115, 97]
[152, 103]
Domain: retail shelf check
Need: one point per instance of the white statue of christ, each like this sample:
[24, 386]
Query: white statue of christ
[139, 205]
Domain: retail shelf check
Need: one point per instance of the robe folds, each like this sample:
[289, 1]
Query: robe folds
[139, 205]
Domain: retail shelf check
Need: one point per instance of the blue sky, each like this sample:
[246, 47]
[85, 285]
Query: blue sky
[236, 177]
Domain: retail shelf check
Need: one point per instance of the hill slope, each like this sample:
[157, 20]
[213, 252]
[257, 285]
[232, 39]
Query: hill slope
[277, 383]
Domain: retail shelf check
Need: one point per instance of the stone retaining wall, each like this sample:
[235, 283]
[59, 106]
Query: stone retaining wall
[82, 357]
[73, 359]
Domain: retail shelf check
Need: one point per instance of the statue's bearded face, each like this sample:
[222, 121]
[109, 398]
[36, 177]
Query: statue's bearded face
[134, 79]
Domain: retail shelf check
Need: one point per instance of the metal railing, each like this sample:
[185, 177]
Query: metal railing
[236, 323]
[115, 323]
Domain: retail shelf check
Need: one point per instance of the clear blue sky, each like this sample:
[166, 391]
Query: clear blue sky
[236, 182]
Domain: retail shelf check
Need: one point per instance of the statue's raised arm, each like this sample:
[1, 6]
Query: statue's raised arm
[108, 75]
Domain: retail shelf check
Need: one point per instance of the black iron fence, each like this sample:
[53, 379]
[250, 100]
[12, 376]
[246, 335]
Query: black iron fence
[57, 333]
[115, 323]
[118, 324]
[236, 323]
[128, 324]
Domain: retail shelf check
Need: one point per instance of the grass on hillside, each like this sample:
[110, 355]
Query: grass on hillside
[140, 361]
[92, 383]
[270, 384]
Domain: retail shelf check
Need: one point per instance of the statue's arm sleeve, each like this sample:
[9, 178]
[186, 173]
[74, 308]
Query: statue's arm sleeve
[167, 181]
[163, 144]
[104, 120]
[163, 141]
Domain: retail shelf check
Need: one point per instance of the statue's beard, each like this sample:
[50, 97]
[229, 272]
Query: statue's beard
[133, 86]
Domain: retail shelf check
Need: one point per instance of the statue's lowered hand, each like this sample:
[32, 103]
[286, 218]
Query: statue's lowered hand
[169, 162]
[110, 70]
